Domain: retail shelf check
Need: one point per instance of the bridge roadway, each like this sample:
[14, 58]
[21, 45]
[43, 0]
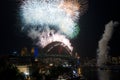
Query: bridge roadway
[29, 59]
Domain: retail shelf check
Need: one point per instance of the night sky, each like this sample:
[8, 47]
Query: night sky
[92, 25]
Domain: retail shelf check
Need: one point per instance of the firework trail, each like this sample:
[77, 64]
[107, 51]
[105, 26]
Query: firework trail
[51, 20]
[103, 43]
[48, 36]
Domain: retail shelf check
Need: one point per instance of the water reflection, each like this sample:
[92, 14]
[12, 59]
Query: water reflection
[103, 74]
[94, 73]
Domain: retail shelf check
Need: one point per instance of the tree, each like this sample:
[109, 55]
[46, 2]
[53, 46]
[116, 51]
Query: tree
[9, 71]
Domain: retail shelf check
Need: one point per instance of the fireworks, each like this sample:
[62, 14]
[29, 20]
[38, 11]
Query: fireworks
[51, 20]
[46, 37]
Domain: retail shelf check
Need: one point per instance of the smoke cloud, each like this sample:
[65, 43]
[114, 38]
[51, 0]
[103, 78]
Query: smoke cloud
[103, 43]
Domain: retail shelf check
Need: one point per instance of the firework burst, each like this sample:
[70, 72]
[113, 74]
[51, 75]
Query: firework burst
[43, 18]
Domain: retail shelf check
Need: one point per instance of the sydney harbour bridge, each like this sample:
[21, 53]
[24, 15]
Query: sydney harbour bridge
[55, 54]
[53, 57]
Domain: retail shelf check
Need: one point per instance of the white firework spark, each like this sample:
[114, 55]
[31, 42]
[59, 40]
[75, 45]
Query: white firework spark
[50, 20]
[49, 36]
[59, 13]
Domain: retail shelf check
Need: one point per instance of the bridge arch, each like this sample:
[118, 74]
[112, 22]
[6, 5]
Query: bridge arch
[58, 48]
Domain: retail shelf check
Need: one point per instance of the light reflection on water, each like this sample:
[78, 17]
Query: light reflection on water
[103, 74]
[92, 73]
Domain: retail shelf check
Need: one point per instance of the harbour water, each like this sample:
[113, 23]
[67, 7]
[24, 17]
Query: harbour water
[92, 73]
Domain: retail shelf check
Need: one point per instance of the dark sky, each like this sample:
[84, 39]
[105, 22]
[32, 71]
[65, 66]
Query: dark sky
[99, 13]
